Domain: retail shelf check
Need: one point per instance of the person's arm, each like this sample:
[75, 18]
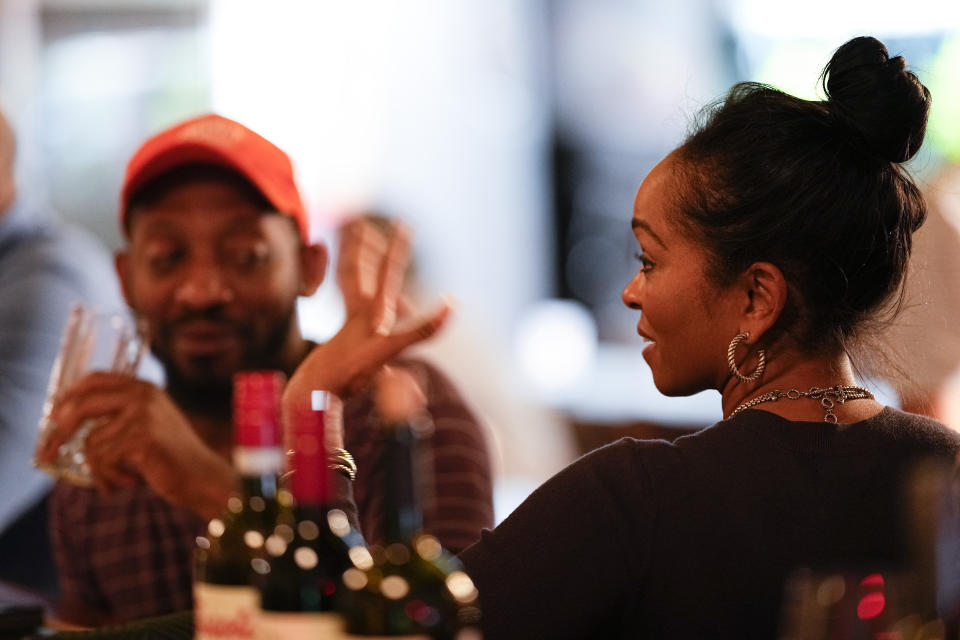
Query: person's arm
[566, 562]
[34, 305]
[45, 271]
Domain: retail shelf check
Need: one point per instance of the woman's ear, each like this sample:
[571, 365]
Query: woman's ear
[766, 296]
[313, 267]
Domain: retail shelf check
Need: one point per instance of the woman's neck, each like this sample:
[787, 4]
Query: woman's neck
[785, 371]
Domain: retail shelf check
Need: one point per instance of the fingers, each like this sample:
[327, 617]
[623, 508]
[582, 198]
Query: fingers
[361, 251]
[112, 435]
[390, 280]
[94, 384]
[371, 271]
[108, 477]
[95, 397]
[58, 434]
[109, 447]
[424, 329]
[384, 350]
[405, 307]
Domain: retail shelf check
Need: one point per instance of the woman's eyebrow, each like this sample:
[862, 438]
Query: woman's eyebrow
[636, 223]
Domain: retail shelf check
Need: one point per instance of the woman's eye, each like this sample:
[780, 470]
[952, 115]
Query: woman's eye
[645, 263]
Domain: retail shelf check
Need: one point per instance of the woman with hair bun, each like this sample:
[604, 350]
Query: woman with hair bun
[773, 239]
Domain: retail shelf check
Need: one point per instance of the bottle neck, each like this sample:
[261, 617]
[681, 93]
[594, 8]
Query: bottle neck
[264, 486]
[259, 468]
[310, 477]
[310, 511]
[404, 518]
[309, 470]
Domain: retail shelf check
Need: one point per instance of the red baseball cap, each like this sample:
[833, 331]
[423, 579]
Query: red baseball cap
[213, 139]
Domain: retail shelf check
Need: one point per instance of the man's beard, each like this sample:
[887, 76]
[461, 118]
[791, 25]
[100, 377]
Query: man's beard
[209, 391]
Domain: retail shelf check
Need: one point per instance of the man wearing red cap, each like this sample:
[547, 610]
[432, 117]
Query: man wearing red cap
[217, 253]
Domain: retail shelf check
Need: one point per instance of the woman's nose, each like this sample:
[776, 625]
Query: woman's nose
[631, 293]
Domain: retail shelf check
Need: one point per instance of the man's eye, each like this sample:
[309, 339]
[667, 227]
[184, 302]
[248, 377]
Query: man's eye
[164, 261]
[248, 257]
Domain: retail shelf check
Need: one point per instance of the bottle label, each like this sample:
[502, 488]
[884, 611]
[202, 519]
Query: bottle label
[225, 612]
[256, 461]
[282, 625]
[416, 637]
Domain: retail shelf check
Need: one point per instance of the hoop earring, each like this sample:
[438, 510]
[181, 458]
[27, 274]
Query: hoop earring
[761, 359]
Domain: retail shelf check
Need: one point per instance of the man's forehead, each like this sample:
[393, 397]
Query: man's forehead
[207, 199]
[196, 224]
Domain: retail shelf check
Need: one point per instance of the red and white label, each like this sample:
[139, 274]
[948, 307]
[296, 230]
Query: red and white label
[276, 625]
[225, 612]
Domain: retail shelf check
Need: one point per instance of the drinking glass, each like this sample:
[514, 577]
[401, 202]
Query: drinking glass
[93, 340]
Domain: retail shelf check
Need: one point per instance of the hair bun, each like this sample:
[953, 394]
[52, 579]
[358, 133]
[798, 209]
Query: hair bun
[876, 96]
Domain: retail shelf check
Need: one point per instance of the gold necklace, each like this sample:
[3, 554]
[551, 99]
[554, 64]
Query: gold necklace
[840, 393]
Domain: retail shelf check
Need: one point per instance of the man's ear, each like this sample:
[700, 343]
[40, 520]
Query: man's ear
[121, 262]
[313, 267]
[766, 296]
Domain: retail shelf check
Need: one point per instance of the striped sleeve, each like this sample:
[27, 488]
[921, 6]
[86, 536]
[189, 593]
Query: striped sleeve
[458, 502]
[456, 489]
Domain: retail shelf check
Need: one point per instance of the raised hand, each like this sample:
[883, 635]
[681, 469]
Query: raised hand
[370, 336]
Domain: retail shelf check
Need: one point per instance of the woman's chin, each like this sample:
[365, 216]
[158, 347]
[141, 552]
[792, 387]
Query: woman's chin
[664, 388]
[673, 388]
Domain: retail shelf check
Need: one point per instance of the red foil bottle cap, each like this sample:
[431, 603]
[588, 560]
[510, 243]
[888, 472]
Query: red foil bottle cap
[256, 408]
[310, 480]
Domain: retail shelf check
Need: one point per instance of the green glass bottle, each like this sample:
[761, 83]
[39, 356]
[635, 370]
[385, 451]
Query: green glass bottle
[307, 551]
[409, 586]
[226, 603]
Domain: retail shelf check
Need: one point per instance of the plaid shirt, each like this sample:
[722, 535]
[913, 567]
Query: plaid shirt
[129, 555]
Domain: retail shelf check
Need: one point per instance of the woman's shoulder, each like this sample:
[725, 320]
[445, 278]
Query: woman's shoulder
[651, 461]
[890, 427]
[911, 426]
[628, 450]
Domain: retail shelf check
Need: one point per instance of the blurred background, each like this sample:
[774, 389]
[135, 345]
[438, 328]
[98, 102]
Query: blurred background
[510, 134]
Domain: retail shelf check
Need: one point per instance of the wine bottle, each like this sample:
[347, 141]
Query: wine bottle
[907, 599]
[948, 554]
[409, 586]
[307, 551]
[226, 603]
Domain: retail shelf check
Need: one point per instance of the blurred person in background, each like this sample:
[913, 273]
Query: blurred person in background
[770, 238]
[46, 266]
[462, 353]
[923, 339]
[218, 251]
[362, 249]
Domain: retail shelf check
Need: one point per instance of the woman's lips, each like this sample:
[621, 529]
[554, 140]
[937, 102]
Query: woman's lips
[648, 341]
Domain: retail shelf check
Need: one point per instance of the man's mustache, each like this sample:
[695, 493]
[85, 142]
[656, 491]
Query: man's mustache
[211, 316]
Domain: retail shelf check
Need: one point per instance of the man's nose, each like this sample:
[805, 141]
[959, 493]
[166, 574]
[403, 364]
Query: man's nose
[204, 285]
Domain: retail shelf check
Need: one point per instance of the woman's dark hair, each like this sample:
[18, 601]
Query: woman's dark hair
[815, 188]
